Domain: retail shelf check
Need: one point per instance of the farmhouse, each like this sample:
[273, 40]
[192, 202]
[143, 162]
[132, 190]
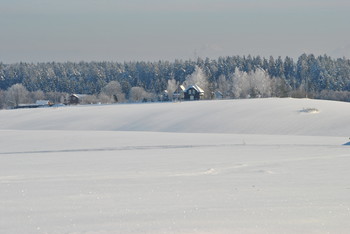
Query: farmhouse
[178, 95]
[193, 92]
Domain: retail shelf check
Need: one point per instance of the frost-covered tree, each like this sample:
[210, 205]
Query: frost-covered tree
[302, 73]
[252, 84]
[56, 97]
[112, 92]
[138, 94]
[87, 99]
[199, 78]
[17, 94]
[313, 74]
[261, 83]
[280, 88]
[224, 86]
[2, 99]
[172, 86]
[37, 95]
[240, 85]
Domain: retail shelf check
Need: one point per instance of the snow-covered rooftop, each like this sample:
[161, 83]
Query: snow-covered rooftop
[196, 87]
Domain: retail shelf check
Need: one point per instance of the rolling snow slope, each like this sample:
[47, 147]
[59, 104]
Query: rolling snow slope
[235, 166]
[254, 116]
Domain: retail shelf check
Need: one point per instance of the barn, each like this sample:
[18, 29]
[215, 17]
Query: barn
[73, 99]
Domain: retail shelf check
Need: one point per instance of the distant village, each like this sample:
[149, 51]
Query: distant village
[182, 93]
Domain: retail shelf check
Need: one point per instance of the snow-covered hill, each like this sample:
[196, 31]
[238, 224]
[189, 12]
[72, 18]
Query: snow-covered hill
[252, 116]
[224, 167]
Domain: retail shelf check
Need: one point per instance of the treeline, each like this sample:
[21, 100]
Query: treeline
[319, 77]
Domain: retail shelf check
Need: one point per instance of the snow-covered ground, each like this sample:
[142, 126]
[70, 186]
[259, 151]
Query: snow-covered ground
[236, 166]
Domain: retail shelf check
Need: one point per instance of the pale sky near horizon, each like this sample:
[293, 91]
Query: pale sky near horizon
[152, 30]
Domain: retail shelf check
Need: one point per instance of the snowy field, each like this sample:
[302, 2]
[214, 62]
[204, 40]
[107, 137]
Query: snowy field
[235, 166]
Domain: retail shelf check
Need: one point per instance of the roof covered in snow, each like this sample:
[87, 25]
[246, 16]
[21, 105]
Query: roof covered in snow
[42, 102]
[180, 89]
[196, 87]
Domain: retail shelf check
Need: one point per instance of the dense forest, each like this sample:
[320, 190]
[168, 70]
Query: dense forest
[234, 76]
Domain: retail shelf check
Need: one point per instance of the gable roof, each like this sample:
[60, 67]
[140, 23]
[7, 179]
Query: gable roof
[77, 95]
[196, 87]
[180, 89]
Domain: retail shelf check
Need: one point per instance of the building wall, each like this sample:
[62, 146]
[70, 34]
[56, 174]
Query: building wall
[192, 94]
[73, 100]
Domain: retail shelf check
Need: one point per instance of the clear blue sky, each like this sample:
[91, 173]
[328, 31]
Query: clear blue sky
[151, 30]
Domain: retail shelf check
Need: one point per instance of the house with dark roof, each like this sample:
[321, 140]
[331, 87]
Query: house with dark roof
[193, 92]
